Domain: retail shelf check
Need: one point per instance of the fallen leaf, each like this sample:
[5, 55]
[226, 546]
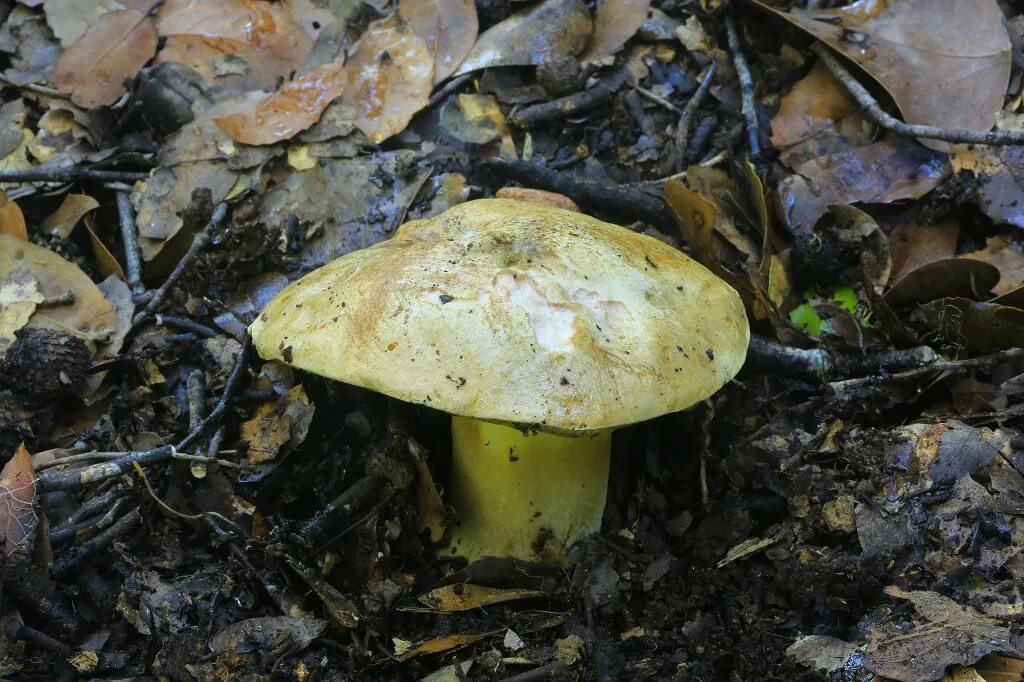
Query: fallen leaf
[956, 277]
[277, 427]
[472, 118]
[62, 221]
[90, 316]
[17, 497]
[1006, 255]
[947, 634]
[33, 49]
[390, 78]
[405, 650]
[821, 652]
[818, 117]
[547, 29]
[464, 597]
[241, 44]
[449, 28]
[106, 262]
[93, 69]
[337, 606]
[976, 326]
[915, 245]
[294, 107]
[999, 171]
[255, 634]
[19, 296]
[69, 19]
[886, 171]
[432, 518]
[12, 220]
[615, 22]
[945, 62]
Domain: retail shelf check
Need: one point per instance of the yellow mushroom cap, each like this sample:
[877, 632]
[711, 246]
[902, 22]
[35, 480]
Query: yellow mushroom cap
[510, 311]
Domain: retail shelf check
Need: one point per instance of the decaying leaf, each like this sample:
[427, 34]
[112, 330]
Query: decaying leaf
[17, 497]
[34, 50]
[981, 327]
[241, 44]
[1006, 255]
[61, 222]
[945, 62]
[89, 315]
[549, 28]
[821, 652]
[432, 519]
[891, 169]
[915, 245]
[958, 277]
[283, 114]
[19, 296]
[999, 171]
[948, 633]
[818, 117]
[449, 28]
[12, 220]
[93, 69]
[337, 606]
[390, 78]
[405, 650]
[463, 597]
[614, 23]
[277, 427]
[473, 118]
[254, 634]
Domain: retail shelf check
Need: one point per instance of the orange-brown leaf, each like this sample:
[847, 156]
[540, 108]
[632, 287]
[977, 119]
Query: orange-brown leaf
[449, 28]
[12, 220]
[390, 78]
[283, 114]
[17, 495]
[615, 22]
[93, 69]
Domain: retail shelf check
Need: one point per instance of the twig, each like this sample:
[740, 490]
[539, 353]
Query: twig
[739, 60]
[817, 363]
[982, 362]
[628, 201]
[71, 174]
[120, 528]
[15, 629]
[563, 107]
[195, 395]
[35, 87]
[222, 404]
[686, 117]
[658, 99]
[185, 323]
[198, 242]
[76, 478]
[544, 672]
[341, 508]
[98, 523]
[886, 120]
[66, 298]
[448, 88]
[129, 238]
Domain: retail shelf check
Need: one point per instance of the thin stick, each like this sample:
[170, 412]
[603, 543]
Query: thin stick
[132, 262]
[201, 239]
[658, 99]
[222, 404]
[686, 117]
[76, 478]
[71, 174]
[746, 88]
[884, 119]
[564, 107]
[121, 527]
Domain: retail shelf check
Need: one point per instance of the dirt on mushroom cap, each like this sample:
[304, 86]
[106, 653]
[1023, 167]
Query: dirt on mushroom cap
[515, 312]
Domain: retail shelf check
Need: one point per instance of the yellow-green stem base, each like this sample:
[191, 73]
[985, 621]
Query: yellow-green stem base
[524, 495]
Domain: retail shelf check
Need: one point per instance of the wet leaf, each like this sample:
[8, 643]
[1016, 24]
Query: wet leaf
[615, 22]
[90, 316]
[94, 68]
[405, 650]
[1006, 255]
[549, 28]
[818, 117]
[337, 606]
[944, 634]
[255, 634]
[886, 171]
[472, 118]
[61, 222]
[958, 277]
[945, 62]
[241, 44]
[449, 28]
[12, 220]
[981, 327]
[17, 497]
[293, 108]
[915, 245]
[463, 597]
[277, 427]
[390, 78]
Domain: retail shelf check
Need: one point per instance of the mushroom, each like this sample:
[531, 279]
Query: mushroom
[539, 330]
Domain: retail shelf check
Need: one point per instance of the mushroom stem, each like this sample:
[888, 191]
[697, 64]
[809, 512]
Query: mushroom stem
[527, 494]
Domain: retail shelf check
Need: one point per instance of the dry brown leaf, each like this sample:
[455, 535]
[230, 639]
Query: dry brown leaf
[106, 262]
[278, 426]
[614, 23]
[915, 245]
[390, 78]
[406, 650]
[463, 597]
[1007, 255]
[62, 221]
[549, 28]
[93, 69]
[944, 62]
[818, 117]
[890, 169]
[12, 220]
[241, 44]
[294, 107]
[449, 27]
[90, 316]
[17, 496]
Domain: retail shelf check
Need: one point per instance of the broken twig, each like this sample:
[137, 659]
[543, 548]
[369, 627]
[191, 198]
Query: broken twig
[739, 60]
[564, 107]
